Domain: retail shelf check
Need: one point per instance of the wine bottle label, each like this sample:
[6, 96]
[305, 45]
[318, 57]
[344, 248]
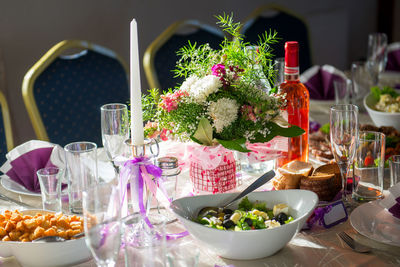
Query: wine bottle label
[291, 70]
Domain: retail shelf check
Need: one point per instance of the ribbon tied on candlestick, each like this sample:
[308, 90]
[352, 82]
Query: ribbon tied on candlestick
[148, 176]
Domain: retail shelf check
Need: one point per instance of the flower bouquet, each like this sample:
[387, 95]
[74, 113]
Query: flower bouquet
[225, 103]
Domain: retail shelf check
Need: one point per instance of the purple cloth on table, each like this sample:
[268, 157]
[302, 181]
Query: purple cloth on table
[393, 57]
[24, 167]
[319, 81]
[395, 210]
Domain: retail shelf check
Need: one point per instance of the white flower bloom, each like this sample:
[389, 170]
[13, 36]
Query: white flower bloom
[223, 112]
[187, 84]
[203, 87]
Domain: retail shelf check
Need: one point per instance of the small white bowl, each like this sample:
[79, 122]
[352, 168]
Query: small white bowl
[44, 254]
[252, 244]
[381, 118]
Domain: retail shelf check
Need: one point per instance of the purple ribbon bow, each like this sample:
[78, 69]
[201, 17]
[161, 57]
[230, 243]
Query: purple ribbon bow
[318, 216]
[132, 168]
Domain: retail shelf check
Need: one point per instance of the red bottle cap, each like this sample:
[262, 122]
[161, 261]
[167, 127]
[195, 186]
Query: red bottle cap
[292, 58]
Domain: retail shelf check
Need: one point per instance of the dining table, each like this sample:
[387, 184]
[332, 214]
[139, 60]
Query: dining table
[318, 246]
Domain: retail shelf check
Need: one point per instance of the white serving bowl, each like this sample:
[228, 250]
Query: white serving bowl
[381, 118]
[252, 244]
[44, 254]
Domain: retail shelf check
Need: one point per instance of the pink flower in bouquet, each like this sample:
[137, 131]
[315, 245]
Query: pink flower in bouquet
[164, 134]
[151, 129]
[218, 70]
[170, 100]
[248, 113]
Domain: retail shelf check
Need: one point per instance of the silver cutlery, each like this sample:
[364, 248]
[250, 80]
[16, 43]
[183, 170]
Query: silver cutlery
[6, 198]
[256, 184]
[52, 238]
[354, 245]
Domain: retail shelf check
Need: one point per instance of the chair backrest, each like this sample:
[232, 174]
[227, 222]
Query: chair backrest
[6, 136]
[160, 57]
[290, 27]
[63, 93]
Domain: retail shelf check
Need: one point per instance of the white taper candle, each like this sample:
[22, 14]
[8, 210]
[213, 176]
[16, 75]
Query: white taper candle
[136, 95]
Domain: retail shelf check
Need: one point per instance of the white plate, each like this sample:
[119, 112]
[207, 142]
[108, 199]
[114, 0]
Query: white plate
[375, 222]
[42, 254]
[15, 187]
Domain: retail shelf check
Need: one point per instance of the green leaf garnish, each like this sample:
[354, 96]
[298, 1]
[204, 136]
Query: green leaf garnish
[386, 90]
[291, 131]
[204, 133]
[376, 92]
[237, 144]
[325, 128]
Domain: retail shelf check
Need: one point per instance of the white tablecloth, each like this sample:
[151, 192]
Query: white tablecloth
[316, 247]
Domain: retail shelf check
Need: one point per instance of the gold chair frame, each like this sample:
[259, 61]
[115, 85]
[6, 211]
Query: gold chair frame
[34, 72]
[148, 57]
[261, 9]
[7, 122]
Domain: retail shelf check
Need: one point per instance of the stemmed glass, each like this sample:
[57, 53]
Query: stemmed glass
[114, 129]
[102, 223]
[344, 136]
[377, 55]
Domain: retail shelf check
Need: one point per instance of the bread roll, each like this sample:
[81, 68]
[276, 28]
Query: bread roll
[289, 175]
[322, 185]
[331, 168]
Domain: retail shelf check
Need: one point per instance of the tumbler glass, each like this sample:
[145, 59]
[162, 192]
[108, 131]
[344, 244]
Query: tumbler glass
[369, 166]
[50, 187]
[102, 222]
[145, 242]
[279, 68]
[377, 55]
[394, 164]
[81, 159]
[343, 91]
[361, 82]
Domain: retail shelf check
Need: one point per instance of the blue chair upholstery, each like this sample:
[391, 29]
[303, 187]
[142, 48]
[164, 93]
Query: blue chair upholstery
[160, 57]
[289, 27]
[70, 91]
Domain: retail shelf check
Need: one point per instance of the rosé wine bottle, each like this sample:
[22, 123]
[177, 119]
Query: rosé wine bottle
[296, 109]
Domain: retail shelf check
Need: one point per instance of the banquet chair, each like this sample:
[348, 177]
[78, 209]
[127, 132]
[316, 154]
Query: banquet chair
[160, 56]
[63, 92]
[6, 136]
[289, 26]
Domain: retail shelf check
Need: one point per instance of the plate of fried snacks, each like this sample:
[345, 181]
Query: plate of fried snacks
[19, 228]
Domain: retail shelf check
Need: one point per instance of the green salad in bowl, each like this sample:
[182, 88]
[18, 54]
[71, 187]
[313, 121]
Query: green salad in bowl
[248, 216]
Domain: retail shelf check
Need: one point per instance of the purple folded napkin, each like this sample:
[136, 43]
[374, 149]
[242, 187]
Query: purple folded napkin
[392, 201]
[319, 81]
[25, 160]
[393, 57]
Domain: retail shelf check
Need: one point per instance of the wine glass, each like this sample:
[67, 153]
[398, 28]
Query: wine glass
[114, 129]
[344, 137]
[377, 55]
[102, 223]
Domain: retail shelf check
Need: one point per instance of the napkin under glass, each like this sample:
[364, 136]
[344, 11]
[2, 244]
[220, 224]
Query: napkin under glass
[26, 159]
[319, 81]
[392, 201]
[393, 57]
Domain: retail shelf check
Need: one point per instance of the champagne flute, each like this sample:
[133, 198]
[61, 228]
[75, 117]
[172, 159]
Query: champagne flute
[102, 223]
[344, 138]
[114, 129]
[377, 55]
